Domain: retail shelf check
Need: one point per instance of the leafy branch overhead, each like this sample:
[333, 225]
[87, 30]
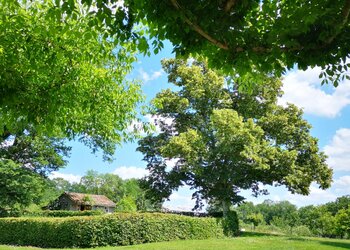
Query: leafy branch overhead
[245, 37]
[225, 141]
[62, 78]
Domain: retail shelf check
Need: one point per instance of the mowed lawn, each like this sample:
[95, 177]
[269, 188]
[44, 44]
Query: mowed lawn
[247, 241]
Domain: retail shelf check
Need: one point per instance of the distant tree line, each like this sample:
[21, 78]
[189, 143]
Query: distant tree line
[328, 220]
[127, 194]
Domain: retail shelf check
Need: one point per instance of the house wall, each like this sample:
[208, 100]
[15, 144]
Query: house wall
[67, 204]
[105, 209]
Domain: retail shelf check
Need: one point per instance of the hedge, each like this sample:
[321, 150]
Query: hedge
[67, 213]
[116, 229]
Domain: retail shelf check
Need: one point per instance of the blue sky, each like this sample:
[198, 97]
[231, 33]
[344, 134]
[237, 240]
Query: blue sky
[326, 108]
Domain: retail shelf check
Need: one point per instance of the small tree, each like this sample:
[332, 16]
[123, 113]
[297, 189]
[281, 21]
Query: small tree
[327, 224]
[292, 220]
[342, 219]
[256, 219]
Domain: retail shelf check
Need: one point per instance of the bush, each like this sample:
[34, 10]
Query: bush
[302, 231]
[66, 213]
[117, 229]
[63, 213]
[230, 224]
[272, 229]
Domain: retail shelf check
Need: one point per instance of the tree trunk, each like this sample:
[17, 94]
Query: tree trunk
[225, 208]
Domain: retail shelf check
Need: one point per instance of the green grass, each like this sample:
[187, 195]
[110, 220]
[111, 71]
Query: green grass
[246, 241]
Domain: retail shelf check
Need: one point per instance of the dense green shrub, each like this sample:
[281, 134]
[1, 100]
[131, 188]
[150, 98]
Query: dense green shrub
[63, 213]
[302, 231]
[230, 224]
[117, 229]
[66, 213]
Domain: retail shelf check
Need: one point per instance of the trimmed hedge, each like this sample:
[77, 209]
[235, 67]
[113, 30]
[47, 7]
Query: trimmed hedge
[67, 213]
[117, 229]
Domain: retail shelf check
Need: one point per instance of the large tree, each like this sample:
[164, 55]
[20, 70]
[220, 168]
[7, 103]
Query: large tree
[36, 153]
[249, 36]
[62, 77]
[19, 187]
[225, 141]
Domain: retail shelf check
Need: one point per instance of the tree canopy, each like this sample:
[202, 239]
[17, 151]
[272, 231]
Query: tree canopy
[62, 77]
[19, 187]
[224, 141]
[245, 37]
[127, 194]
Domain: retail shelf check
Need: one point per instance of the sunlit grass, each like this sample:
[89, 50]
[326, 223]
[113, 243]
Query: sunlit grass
[246, 241]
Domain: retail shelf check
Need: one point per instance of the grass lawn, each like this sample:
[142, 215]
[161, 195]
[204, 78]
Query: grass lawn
[247, 241]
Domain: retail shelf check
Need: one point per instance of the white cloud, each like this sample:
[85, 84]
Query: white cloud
[342, 185]
[338, 150]
[343, 181]
[138, 126]
[179, 202]
[316, 197]
[7, 143]
[156, 119]
[170, 163]
[69, 177]
[146, 77]
[125, 172]
[302, 88]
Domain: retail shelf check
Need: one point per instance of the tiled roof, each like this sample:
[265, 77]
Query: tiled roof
[97, 200]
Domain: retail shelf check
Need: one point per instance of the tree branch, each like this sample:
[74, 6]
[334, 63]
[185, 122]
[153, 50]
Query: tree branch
[258, 49]
[346, 11]
[198, 29]
[229, 5]
[345, 16]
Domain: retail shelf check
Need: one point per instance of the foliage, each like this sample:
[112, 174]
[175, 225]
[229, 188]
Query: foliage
[230, 223]
[63, 213]
[255, 219]
[19, 187]
[281, 209]
[225, 141]
[118, 229]
[127, 203]
[244, 210]
[342, 219]
[38, 153]
[342, 202]
[62, 78]
[239, 37]
[327, 220]
[302, 230]
[127, 194]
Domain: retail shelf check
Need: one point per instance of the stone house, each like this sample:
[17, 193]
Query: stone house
[80, 202]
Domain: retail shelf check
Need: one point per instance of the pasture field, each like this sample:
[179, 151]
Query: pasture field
[248, 241]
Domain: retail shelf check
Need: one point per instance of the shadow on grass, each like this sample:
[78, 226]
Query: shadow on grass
[327, 242]
[344, 245]
[256, 234]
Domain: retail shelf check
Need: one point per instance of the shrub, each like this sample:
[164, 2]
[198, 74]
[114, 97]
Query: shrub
[117, 229]
[302, 231]
[230, 224]
[271, 229]
[66, 213]
[63, 213]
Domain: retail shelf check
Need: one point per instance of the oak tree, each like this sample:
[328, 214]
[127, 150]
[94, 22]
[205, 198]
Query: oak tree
[225, 141]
